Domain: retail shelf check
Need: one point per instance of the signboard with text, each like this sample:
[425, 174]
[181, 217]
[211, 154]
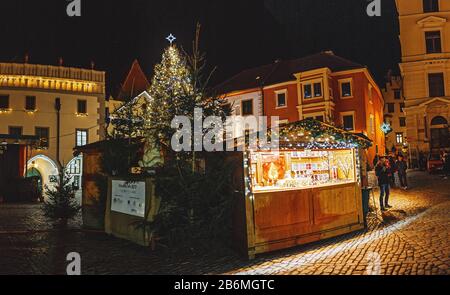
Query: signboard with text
[128, 197]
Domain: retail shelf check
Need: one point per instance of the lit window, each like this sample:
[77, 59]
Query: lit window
[370, 93]
[399, 138]
[81, 137]
[247, 107]
[372, 124]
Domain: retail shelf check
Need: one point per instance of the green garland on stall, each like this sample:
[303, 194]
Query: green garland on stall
[317, 130]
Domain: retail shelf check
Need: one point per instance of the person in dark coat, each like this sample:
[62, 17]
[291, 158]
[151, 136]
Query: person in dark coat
[393, 169]
[446, 159]
[383, 171]
[402, 167]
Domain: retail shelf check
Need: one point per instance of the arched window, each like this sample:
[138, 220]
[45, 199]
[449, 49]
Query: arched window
[438, 121]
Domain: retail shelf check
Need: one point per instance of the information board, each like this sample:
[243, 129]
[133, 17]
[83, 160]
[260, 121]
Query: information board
[128, 197]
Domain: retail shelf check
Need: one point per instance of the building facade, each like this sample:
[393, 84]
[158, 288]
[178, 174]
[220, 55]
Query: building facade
[425, 71]
[394, 115]
[62, 107]
[323, 86]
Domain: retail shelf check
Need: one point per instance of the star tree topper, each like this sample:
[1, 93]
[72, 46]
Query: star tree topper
[171, 38]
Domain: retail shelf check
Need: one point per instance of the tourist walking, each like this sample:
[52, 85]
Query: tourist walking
[383, 172]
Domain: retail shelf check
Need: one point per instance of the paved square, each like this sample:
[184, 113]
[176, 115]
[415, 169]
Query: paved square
[409, 239]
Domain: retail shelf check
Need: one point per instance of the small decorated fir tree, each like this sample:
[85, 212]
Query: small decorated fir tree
[60, 204]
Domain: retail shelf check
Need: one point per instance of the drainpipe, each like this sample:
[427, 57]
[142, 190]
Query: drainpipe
[58, 127]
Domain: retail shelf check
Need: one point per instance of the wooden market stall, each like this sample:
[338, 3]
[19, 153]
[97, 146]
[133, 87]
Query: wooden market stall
[307, 190]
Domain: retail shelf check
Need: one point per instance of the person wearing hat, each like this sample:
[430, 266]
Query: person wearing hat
[383, 172]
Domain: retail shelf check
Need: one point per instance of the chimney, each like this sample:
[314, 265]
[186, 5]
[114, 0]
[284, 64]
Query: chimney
[92, 64]
[26, 58]
[329, 52]
[60, 61]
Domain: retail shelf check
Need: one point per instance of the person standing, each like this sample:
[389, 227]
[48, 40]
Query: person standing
[382, 171]
[446, 167]
[392, 167]
[402, 168]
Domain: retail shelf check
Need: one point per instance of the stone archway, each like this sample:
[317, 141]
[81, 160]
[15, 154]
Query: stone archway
[439, 133]
[46, 167]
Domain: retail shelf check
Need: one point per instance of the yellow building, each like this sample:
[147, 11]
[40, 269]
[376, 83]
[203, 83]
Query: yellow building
[30, 96]
[394, 115]
[425, 70]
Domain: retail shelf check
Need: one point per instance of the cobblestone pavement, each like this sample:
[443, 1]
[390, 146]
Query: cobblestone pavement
[411, 238]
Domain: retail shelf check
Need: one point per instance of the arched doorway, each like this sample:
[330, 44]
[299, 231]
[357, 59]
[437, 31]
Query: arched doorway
[36, 177]
[44, 169]
[439, 133]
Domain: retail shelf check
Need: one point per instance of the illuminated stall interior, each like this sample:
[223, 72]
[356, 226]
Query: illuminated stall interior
[311, 154]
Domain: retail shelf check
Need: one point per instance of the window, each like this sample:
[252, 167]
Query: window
[247, 107]
[402, 107]
[81, 137]
[15, 131]
[399, 138]
[346, 89]
[402, 122]
[391, 108]
[74, 167]
[30, 103]
[317, 89]
[4, 101]
[397, 94]
[430, 6]
[82, 107]
[436, 85]
[372, 124]
[43, 134]
[348, 121]
[281, 100]
[433, 42]
[312, 90]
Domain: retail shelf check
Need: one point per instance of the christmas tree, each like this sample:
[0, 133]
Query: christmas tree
[61, 204]
[171, 93]
[177, 88]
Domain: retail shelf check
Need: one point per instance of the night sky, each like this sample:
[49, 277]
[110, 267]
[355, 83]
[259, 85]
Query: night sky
[236, 34]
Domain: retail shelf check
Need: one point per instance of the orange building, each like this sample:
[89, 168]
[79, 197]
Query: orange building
[322, 86]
